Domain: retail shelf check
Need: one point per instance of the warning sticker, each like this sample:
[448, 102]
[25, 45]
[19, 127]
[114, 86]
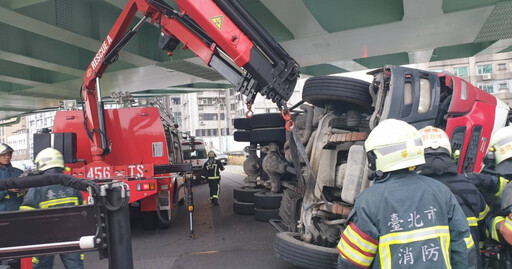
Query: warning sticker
[217, 20]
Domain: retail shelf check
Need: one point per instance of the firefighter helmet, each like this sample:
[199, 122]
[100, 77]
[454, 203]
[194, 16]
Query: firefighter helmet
[49, 158]
[435, 138]
[501, 144]
[211, 154]
[393, 145]
[5, 149]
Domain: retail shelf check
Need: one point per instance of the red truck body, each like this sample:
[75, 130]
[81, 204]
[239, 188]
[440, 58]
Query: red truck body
[138, 144]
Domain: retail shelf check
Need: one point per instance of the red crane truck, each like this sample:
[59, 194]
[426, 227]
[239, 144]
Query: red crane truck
[133, 144]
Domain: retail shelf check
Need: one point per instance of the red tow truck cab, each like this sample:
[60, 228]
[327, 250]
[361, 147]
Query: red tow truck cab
[140, 145]
[468, 114]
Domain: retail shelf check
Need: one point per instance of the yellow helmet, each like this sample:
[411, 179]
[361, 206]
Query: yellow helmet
[501, 144]
[49, 158]
[211, 154]
[435, 138]
[394, 145]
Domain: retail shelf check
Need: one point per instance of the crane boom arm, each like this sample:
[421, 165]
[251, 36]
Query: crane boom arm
[220, 32]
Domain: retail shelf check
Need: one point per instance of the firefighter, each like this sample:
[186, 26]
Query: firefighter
[50, 161]
[440, 166]
[404, 219]
[10, 200]
[499, 162]
[211, 172]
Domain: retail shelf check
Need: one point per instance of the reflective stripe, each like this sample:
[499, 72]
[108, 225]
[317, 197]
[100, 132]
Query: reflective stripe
[59, 201]
[441, 232]
[482, 214]
[357, 247]
[353, 255]
[469, 242]
[357, 240]
[19, 194]
[480, 244]
[213, 177]
[472, 221]
[25, 207]
[415, 235]
[495, 226]
[503, 182]
[82, 257]
[35, 260]
[7, 196]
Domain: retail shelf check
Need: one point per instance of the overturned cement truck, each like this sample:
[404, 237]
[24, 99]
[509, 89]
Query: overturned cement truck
[308, 178]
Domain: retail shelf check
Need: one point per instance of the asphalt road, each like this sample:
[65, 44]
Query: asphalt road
[224, 240]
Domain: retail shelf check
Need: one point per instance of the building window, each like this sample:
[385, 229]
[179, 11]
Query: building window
[502, 66]
[214, 132]
[176, 100]
[484, 69]
[209, 132]
[461, 71]
[487, 87]
[503, 86]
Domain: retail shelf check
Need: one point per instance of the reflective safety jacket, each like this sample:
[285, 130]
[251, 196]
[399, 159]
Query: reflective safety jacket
[470, 200]
[406, 221]
[51, 196]
[10, 201]
[212, 168]
[499, 224]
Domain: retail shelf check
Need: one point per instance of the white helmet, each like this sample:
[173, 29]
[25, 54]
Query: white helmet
[501, 144]
[394, 145]
[5, 149]
[49, 158]
[435, 138]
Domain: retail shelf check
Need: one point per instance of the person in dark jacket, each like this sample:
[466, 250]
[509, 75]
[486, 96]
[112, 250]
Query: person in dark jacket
[211, 171]
[404, 220]
[440, 166]
[498, 163]
[10, 200]
[50, 161]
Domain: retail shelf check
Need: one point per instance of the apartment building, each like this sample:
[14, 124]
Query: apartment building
[492, 73]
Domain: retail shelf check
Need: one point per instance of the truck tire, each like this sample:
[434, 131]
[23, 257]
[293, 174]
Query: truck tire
[245, 194]
[289, 247]
[149, 220]
[242, 136]
[242, 208]
[264, 215]
[165, 216]
[265, 135]
[319, 91]
[242, 124]
[290, 209]
[270, 120]
[267, 200]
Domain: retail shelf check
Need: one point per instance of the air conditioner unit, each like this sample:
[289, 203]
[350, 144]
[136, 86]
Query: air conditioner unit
[486, 77]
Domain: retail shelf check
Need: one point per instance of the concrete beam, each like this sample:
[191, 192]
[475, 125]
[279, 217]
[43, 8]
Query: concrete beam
[411, 34]
[496, 47]
[35, 26]
[295, 16]
[17, 58]
[422, 56]
[350, 66]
